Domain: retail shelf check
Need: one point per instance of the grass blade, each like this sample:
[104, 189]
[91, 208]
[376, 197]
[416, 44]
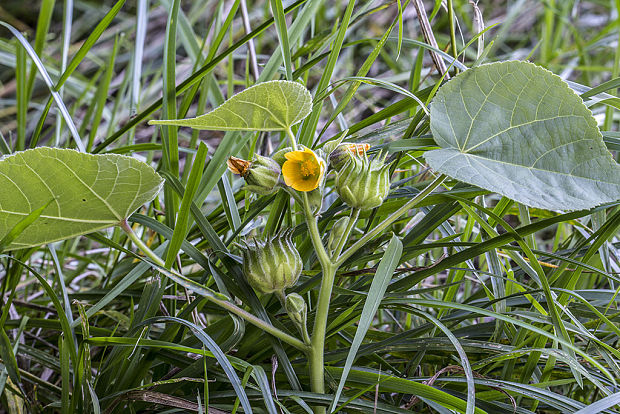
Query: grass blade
[215, 350]
[278, 16]
[50, 85]
[379, 284]
[183, 218]
[21, 226]
[89, 43]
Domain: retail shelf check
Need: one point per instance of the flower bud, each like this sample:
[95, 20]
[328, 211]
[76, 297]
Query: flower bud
[261, 174]
[279, 155]
[296, 308]
[315, 200]
[330, 146]
[344, 152]
[337, 233]
[362, 183]
[272, 265]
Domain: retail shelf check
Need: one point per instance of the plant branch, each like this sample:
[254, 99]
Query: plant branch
[355, 213]
[215, 297]
[390, 219]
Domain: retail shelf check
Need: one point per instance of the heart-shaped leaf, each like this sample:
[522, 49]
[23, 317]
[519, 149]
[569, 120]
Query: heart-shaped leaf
[518, 130]
[87, 192]
[266, 106]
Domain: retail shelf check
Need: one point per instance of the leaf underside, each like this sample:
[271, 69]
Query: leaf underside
[89, 192]
[267, 106]
[517, 129]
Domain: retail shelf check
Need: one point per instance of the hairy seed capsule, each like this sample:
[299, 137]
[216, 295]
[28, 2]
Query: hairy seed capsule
[363, 183]
[272, 265]
[261, 174]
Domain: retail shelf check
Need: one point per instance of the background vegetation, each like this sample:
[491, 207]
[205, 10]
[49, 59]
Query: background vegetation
[463, 312]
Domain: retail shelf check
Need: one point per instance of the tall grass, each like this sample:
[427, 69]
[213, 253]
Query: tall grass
[464, 325]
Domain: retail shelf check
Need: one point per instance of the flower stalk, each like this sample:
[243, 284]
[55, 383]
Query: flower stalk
[210, 295]
[331, 263]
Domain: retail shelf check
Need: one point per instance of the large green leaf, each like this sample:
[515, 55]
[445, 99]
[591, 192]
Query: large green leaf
[89, 192]
[517, 129]
[266, 106]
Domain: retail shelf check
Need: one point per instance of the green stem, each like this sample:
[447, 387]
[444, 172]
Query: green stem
[141, 245]
[210, 295]
[452, 30]
[311, 222]
[317, 341]
[355, 213]
[390, 219]
[291, 137]
[317, 348]
[315, 235]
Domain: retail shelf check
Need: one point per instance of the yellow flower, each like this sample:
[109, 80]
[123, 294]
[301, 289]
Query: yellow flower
[303, 170]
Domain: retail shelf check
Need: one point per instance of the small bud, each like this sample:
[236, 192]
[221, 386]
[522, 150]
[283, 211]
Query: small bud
[362, 183]
[344, 152]
[296, 308]
[273, 265]
[330, 146]
[261, 174]
[279, 155]
[315, 200]
[337, 233]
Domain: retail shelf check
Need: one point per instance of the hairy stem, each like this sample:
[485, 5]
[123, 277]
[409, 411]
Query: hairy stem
[317, 369]
[317, 341]
[390, 219]
[211, 295]
[355, 213]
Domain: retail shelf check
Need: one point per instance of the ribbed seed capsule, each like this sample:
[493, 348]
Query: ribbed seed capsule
[272, 265]
[363, 183]
[261, 174]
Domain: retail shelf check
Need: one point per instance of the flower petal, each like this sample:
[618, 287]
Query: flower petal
[294, 155]
[291, 173]
[306, 185]
[298, 174]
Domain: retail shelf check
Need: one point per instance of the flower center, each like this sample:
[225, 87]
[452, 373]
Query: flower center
[308, 168]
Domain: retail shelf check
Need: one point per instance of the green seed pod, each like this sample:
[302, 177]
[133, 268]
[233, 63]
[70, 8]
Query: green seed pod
[362, 183]
[261, 174]
[273, 265]
[337, 233]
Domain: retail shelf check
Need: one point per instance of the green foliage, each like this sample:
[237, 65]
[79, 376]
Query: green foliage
[453, 295]
[266, 106]
[81, 193]
[518, 130]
